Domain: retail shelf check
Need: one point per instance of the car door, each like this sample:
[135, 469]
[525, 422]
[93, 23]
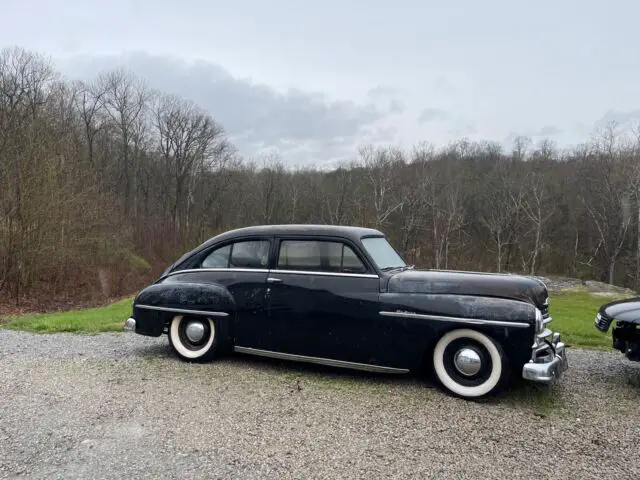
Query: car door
[241, 266]
[323, 300]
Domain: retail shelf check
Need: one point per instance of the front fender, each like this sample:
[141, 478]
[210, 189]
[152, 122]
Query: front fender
[623, 311]
[429, 316]
[157, 304]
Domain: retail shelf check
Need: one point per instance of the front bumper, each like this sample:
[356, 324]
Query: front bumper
[548, 361]
[130, 325]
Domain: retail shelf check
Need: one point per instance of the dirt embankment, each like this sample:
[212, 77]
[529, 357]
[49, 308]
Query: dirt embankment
[561, 284]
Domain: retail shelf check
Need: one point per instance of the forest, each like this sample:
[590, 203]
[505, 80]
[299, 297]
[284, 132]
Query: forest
[105, 182]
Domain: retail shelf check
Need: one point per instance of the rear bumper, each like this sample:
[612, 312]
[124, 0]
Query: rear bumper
[130, 325]
[545, 369]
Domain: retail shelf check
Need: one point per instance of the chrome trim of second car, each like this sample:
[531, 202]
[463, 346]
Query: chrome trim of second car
[470, 321]
[182, 310]
[320, 361]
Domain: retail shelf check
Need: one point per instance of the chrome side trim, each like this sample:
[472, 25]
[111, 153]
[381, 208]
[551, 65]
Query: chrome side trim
[229, 270]
[320, 361]
[468, 321]
[280, 272]
[325, 274]
[183, 310]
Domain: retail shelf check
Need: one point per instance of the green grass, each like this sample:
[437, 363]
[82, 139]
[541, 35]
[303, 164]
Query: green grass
[109, 318]
[573, 314]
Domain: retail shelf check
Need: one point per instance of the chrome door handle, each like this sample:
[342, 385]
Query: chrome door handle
[274, 280]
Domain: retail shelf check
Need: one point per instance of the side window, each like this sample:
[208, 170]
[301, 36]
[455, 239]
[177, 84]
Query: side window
[299, 255]
[251, 254]
[321, 256]
[219, 258]
[350, 261]
[248, 254]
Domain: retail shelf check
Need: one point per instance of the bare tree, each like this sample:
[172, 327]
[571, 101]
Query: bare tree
[190, 142]
[381, 166]
[124, 99]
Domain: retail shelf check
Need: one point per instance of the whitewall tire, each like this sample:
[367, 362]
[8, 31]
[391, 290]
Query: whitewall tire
[470, 364]
[193, 338]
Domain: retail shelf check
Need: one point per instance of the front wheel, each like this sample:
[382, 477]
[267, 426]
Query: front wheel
[470, 364]
[193, 338]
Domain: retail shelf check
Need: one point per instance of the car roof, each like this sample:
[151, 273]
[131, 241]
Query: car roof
[350, 232]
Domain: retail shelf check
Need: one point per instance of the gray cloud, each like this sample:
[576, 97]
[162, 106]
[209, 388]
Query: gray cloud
[548, 131]
[464, 128]
[433, 115]
[622, 118]
[383, 92]
[396, 107]
[254, 115]
[443, 86]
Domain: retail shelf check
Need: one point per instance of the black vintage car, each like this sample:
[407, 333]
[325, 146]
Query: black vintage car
[626, 332]
[343, 296]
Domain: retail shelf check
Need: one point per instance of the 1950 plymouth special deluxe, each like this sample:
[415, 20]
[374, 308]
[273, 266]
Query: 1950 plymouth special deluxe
[343, 296]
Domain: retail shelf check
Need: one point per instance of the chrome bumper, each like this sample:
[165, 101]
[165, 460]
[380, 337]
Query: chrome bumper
[130, 325]
[548, 367]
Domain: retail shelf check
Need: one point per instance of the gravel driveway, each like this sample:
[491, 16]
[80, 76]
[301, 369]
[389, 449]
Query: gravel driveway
[122, 406]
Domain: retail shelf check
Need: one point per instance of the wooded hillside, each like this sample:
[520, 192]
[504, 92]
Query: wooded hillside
[102, 183]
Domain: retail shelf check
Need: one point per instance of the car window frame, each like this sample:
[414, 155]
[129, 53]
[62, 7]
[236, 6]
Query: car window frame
[197, 263]
[369, 269]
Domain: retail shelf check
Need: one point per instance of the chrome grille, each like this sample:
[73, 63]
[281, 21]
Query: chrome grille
[539, 337]
[602, 323]
[545, 313]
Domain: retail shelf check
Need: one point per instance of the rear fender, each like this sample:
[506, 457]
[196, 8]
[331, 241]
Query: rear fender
[156, 305]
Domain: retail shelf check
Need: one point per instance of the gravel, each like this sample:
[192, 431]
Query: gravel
[123, 406]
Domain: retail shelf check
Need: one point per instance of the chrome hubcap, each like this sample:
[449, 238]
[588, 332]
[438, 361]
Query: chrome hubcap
[194, 331]
[467, 361]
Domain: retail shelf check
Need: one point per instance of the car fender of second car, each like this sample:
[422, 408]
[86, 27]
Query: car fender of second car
[626, 311]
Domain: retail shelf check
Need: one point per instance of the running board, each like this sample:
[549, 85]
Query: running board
[320, 361]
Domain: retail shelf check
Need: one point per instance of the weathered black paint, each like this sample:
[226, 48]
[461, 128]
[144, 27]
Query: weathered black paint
[408, 338]
[325, 316]
[338, 316]
[204, 296]
[626, 334]
[627, 310]
[469, 283]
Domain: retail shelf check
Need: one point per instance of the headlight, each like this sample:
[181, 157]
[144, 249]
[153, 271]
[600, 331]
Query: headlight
[539, 321]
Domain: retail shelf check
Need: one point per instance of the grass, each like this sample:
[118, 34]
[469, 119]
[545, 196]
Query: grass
[109, 318]
[573, 314]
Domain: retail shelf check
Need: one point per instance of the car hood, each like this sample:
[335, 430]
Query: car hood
[627, 310]
[440, 282]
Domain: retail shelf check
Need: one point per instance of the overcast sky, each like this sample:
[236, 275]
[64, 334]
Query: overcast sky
[315, 79]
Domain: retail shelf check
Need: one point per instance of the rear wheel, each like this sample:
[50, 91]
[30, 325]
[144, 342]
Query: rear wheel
[470, 364]
[193, 338]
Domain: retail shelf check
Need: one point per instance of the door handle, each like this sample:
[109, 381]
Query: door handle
[273, 280]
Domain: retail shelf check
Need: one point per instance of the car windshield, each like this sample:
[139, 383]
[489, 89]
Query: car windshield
[383, 253]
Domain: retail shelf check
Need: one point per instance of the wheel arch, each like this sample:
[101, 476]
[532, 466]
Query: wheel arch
[155, 306]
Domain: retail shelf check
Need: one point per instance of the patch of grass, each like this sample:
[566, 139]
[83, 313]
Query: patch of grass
[573, 316]
[109, 318]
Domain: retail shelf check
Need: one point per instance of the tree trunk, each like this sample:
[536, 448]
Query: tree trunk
[612, 267]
